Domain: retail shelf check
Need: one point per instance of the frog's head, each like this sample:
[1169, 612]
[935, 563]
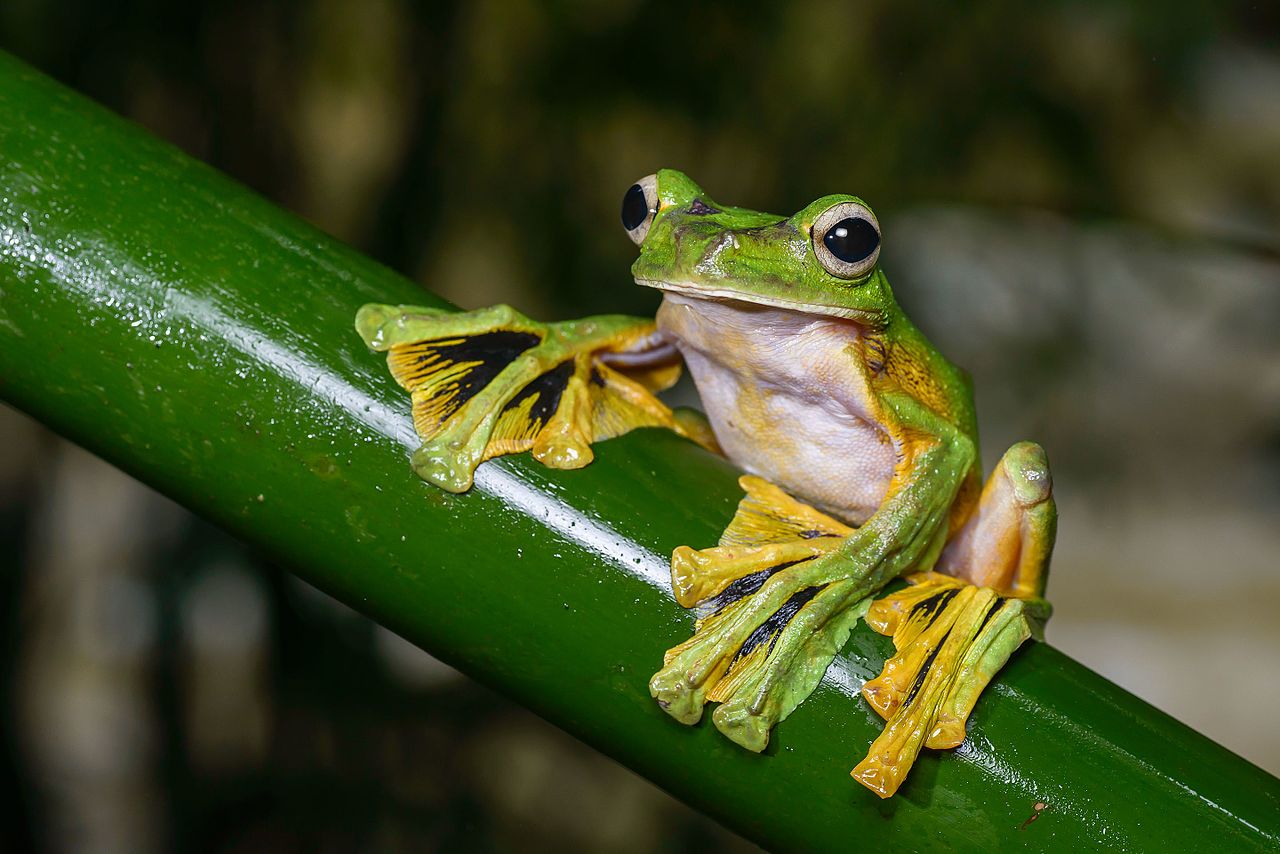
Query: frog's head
[821, 260]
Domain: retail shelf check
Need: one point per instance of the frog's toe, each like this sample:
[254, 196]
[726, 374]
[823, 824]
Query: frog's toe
[1005, 629]
[679, 695]
[760, 694]
[761, 654]
[716, 577]
[918, 618]
[951, 639]
[447, 468]
[382, 326]
[743, 726]
[770, 531]
[564, 444]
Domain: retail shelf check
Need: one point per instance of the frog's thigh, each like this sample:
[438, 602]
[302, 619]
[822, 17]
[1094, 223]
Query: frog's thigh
[1006, 543]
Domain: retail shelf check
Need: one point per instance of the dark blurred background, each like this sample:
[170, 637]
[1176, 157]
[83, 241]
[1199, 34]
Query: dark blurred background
[1081, 204]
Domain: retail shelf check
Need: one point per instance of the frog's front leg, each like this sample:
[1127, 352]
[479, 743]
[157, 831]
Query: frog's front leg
[954, 632]
[492, 382]
[781, 605]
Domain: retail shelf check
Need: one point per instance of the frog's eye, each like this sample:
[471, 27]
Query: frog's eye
[639, 204]
[846, 239]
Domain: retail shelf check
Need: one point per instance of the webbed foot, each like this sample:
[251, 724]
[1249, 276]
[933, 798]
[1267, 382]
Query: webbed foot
[953, 632]
[772, 617]
[492, 382]
[951, 639]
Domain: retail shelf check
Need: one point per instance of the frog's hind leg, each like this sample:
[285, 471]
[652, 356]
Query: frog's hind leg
[953, 632]
[1006, 543]
[758, 660]
[492, 382]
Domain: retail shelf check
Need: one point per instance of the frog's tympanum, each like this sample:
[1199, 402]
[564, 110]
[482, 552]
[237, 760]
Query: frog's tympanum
[859, 438]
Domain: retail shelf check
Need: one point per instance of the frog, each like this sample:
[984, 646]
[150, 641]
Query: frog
[863, 495]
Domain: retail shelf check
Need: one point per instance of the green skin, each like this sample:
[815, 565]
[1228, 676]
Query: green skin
[704, 254]
[774, 263]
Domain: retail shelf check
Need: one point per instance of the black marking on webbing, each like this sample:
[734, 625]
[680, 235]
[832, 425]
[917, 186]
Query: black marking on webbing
[991, 612]
[547, 387]
[493, 351]
[933, 605]
[931, 608]
[918, 683]
[814, 534]
[596, 378]
[924, 670]
[500, 347]
[770, 629]
[744, 587]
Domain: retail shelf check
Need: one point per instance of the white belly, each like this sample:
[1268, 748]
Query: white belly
[784, 401]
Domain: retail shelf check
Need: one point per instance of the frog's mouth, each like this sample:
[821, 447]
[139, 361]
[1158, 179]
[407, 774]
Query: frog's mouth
[702, 292]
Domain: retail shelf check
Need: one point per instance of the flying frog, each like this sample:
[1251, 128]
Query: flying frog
[858, 438]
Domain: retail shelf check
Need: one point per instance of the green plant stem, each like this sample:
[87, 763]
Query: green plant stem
[201, 339]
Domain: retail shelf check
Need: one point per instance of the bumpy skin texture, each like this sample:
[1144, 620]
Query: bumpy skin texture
[859, 437]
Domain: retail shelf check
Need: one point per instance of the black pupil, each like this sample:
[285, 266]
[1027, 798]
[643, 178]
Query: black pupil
[635, 208]
[852, 239]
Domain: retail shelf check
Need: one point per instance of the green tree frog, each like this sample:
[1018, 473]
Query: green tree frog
[858, 438]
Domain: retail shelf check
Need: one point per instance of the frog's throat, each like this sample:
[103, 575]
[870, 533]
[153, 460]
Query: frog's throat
[689, 289]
